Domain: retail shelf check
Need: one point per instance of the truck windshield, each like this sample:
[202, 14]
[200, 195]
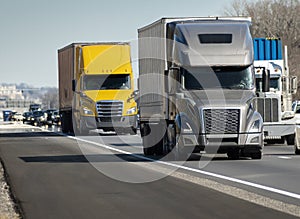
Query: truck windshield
[201, 78]
[106, 82]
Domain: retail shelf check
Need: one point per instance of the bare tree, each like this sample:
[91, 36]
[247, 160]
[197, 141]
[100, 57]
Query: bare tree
[274, 18]
[50, 99]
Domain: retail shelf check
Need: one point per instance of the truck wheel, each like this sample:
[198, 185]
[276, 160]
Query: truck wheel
[63, 128]
[179, 153]
[145, 131]
[256, 155]
[159, 147]
[133, 131]
[66, 122]
[290, 139]
[234, 154]
[153, 138]
[297, 150]
[176, 144]
[161, 134]
[148, 151]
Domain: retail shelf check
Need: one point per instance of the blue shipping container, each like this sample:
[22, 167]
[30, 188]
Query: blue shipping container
[267, 49]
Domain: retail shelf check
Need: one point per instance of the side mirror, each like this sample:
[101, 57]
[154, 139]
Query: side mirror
[173, 78]
[82, 94]
[294, 84]
[74, 85]
[266, 80]
[173, 86]
[134, 95]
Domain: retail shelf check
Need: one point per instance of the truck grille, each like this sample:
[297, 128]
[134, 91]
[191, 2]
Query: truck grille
[109, 110]
[221, 121]
[268, 108]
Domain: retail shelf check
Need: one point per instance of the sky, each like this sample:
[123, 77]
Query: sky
[31, 31]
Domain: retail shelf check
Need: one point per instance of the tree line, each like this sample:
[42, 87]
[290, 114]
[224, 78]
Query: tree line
[275, 19]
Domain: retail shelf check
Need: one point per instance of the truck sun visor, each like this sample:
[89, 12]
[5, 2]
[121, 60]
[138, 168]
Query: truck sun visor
[215, 38]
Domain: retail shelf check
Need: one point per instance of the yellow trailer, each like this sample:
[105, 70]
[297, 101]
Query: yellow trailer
[96, 88]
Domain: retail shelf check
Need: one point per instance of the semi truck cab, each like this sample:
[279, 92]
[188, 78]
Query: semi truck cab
[274, 87]
[102, 88]
[209, 88]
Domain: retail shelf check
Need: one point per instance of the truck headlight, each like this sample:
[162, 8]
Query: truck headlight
[131, 110]
[255, 126]
[87, 111]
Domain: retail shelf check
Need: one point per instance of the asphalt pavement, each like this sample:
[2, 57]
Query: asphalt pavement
[51, 176]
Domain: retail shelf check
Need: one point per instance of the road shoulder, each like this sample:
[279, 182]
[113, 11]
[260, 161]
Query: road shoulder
[8, 208]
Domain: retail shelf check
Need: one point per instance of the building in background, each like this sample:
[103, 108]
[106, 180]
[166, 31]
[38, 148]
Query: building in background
[11, 92]
[13, 99]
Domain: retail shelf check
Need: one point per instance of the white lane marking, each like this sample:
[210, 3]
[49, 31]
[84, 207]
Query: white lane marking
[231, 179]
[284, 157]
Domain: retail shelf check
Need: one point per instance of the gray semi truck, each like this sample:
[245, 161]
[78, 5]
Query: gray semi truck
[196, 88]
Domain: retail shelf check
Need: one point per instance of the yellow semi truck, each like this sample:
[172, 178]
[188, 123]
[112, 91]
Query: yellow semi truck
[96, 88]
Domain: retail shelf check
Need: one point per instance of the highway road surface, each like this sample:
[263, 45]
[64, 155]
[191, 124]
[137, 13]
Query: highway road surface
[106, 176]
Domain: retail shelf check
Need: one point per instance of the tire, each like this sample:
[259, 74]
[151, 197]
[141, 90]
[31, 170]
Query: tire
[66, 122]
[290, 139]
[148, 151]
[256, 155]
[179, 153]
[153, 138]
[132, 131]
[145, 130]
[176, 144]
[297, 150]
[234, 154]
[159, 147]
[161, 136]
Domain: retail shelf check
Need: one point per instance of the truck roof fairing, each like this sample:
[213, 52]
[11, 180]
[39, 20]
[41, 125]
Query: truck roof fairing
[106, 58]
[167, 20]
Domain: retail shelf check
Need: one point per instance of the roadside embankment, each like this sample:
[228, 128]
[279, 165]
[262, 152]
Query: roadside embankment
[8, 209]
[7, 206]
